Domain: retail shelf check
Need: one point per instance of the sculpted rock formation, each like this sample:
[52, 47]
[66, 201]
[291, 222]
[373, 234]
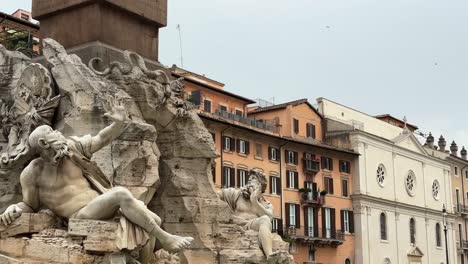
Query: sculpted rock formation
[163, 156]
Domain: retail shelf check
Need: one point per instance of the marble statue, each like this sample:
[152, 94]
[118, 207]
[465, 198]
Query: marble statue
[64, 180]
[252, 211]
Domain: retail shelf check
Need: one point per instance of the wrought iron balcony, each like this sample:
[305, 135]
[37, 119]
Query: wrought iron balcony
[324, 238]
[461, 210]
[311, 165]
[313, 199]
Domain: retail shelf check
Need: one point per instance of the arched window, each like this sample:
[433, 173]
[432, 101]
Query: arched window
[347, 261]
[438, 240]
[383, 226]
[412, 228]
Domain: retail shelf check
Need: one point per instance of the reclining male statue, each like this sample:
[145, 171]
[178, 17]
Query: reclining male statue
[64, 180]
[253, 212]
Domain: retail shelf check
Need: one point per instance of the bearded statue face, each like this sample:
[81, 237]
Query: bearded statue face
[49, 143]
[252, 185]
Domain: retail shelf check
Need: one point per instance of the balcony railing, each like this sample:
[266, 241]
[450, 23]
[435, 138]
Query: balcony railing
[460, 209]
[318, 236]
[313, 198]
[311, 165]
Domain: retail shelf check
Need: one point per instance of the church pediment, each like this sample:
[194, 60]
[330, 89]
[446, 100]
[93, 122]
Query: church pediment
[408, 141]
[415, 252]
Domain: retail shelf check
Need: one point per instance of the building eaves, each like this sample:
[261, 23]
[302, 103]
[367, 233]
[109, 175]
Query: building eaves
[246, 100]
[284, 105]
[392, 117]
[255, 130]
[5, 16]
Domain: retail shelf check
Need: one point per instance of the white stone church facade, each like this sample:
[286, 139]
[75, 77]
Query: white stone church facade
[399, 190]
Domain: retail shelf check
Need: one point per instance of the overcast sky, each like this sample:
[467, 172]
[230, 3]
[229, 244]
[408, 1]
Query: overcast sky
[405, 58]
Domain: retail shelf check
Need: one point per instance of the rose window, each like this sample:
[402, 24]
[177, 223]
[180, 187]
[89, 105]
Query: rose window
[381, 175]
[410, 183]
[435, 189]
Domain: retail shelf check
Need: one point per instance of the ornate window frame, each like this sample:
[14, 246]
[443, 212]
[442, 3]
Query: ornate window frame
[410, 183]
[381, 173]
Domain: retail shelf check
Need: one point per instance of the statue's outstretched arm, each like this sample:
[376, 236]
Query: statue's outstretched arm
[119, 116]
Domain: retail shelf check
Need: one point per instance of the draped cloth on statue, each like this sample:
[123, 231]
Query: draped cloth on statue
[231, 195]
[129, 235]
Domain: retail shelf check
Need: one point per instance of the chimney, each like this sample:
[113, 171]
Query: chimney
[442, 143]
[463, 153]
[454, 148]
[430, 141]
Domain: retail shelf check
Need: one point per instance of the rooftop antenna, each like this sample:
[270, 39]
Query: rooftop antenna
[180, 42]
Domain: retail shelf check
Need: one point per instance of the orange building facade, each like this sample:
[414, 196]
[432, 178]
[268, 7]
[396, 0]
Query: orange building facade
[19, 31]
[309, 182]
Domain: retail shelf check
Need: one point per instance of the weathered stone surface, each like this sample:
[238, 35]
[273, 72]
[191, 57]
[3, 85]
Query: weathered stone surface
[87, 227]
[28, 224]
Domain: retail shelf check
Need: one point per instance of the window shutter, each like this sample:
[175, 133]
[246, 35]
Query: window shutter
[324, 226]
[298, 215]
[314, 190]
[269, 153]
[295, 158]
[278, 186]
[247, 147]
[287, 216]
[306, 222]
[271, 184]
[333, 224]
[313, 131]
[286, 156]
[351, 221]
[331, 186]
[331, 163]
[238, 178]
[233, 179]
[233, 144]
[308, 132]
[342, 219]
[287, 179]
[323, 162]
[316, 229]
[223, 177]
[280, 227]
[238, 145]
[223, 142]
[278, 155]
[296, 180]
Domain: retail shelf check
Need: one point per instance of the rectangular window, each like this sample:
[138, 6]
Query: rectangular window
[242, 146]
[242, 178]
[25, 17]
[457, 192]
[292, 215]
[344, 187]
[239, 113]
[328, 230]
[273, 154]
[258, 150]
[327, 163]
[275, 224]
[346, 221]
[291, 157]
[275, 185]
[223, 108]
[228, 144]
[292, 179]
[228, 177]
[345, 166]
[296, 125]
[328, 181]
[310, 130]
[310, 211]
[207, 106]
[456, 170]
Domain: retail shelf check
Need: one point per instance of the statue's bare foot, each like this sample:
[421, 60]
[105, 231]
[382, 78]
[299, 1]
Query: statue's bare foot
[175, 243]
